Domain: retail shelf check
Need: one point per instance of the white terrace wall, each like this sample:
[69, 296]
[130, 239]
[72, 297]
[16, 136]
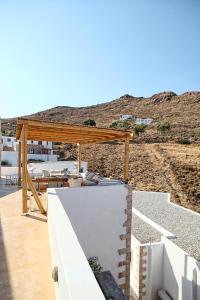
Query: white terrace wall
[75, 278]
[164, 266]
[146, 269]
[12, 157]
[181, 273]
[9, 171]
[58, 165]
[97, 215]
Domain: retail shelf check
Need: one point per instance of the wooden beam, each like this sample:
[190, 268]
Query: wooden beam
[64, 126]
[70, 140]
[55, 134]
[77, 131]
[19, 164]
[126, 159]
[74, 132]
[35, 195]
[24, 168]
[79, 157]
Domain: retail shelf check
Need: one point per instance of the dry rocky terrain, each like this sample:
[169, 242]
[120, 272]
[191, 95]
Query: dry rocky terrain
[181, 111]
[153, 167]
[157, 161]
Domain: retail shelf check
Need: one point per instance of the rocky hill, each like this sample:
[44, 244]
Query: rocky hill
[166, 167]
[181, 111]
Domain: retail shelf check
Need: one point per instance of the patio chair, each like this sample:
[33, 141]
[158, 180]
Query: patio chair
[45, 173]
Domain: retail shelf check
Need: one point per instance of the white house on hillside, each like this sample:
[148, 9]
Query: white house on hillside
[34, 147]
[126, 117]
[143, 121]
[37, 150]
[8, 141]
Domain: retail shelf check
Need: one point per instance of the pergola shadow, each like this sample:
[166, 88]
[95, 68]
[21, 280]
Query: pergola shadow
[6, 190]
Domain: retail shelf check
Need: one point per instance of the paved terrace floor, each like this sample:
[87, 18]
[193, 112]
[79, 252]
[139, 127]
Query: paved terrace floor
[25, 266]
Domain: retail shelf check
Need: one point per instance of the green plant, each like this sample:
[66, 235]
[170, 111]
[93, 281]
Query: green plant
[139, 128]
[32, 160]
[113, 124]
[94, 265]
[4, 132]
[163, 127]
[5, 163]
[184, 142]
[89, 122]
[126, 125]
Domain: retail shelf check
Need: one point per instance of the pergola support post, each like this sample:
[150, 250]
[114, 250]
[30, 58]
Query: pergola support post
[19, 163]
[24, 168]
[79, 157]
[35, 195]
[126, 159]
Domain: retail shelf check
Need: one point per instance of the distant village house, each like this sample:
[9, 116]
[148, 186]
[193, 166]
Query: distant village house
[143, 121]
[34, 147]
[36, 150]
[139, 121]
[126, 117]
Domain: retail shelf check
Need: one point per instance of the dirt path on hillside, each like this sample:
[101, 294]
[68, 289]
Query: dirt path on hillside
[159, 160]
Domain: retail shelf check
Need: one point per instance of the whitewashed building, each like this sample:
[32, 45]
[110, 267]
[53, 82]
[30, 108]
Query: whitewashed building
[126, 117]
[8, 141]
[143, 121]
[37, 150]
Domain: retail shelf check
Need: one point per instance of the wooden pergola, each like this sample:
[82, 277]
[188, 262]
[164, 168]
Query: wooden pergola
[29, 129]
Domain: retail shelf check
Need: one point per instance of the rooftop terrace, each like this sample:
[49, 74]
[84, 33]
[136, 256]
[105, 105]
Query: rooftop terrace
[25, 269]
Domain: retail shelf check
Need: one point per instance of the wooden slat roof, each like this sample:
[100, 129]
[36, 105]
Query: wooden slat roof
[72, 134]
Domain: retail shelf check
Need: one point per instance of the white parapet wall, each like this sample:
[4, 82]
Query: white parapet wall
[97, 215]
[162, 265]
[12, 157]
[75, 277]
[181, 273]
[146, 269]
[58, 165]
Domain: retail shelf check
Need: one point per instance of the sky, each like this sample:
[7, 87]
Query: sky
[84, 52]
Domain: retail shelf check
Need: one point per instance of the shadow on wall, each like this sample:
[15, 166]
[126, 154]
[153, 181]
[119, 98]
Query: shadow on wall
[6, 289]
[190, 288]
[170, 278]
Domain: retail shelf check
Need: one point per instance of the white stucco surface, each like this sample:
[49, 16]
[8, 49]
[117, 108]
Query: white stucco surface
[58, 165]
[12, 157]
[75, 278]
[97, 217]
[172, 259]
[178, 272]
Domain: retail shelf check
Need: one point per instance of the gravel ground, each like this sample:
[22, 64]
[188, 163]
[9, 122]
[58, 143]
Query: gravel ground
[184, 224]
[144, 232]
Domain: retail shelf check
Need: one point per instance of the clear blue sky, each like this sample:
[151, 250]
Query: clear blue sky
[81, 52]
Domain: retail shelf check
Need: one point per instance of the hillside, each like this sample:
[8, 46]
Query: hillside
[181, 111]
[157, 161]
[164, 167]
